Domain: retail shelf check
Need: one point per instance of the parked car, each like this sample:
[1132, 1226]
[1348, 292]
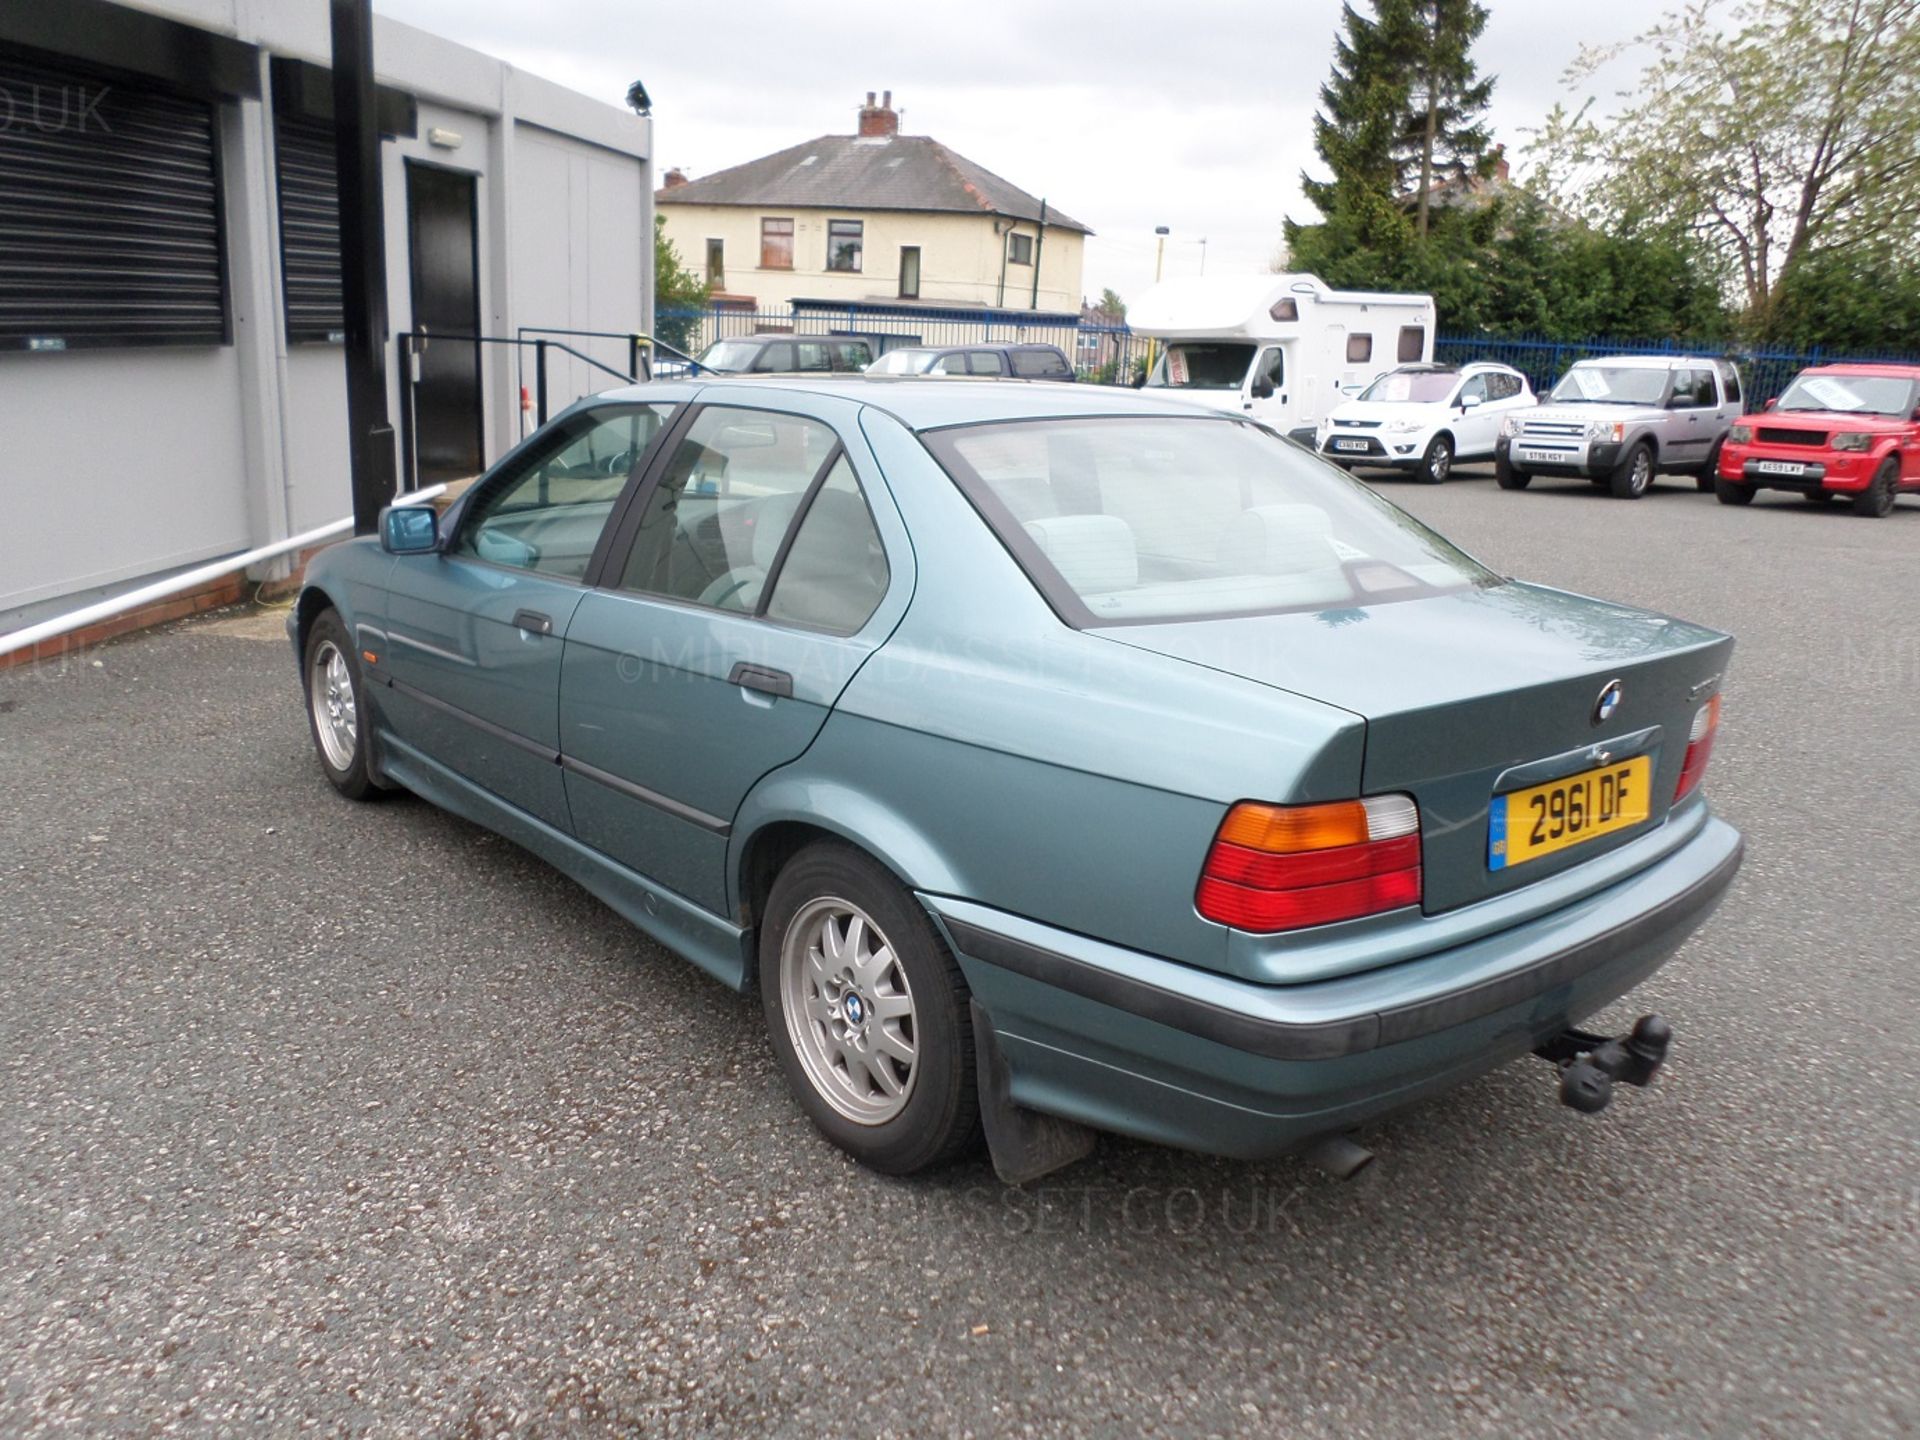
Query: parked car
[1838, 431]
[1621, 421]
[1040, 751]
[1422, 418]
[1024, 362]
[786, 355]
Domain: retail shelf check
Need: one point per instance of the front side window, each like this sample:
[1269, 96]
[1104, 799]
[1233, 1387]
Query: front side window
[1128, 520]
[845, 239]
[1359, 349]
[848, 357]
[901, 362]
[985, 362]
[1020, 249]
[714, 522]
[730, 355]
[1272, 372]
[776, 243]
[1202, 365]
[954, 364]
[547, 513]
[1475, 389]
[775, 358]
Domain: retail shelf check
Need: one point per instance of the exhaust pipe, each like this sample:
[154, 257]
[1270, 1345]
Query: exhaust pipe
[1339, 1155]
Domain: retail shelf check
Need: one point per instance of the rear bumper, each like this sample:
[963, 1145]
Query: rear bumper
[1152, 1048]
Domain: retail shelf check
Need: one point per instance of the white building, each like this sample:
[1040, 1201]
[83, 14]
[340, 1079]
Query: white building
[172, 386]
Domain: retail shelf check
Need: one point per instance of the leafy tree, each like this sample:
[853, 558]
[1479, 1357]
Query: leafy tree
[1792, 130]
[1110, 303]
[1856, 301]
[678, 294]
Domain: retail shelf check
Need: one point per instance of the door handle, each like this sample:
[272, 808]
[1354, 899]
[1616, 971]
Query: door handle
[533, 622]
[762, 678]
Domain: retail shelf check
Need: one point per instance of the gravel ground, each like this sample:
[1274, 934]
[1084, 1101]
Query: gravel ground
[355, 1119]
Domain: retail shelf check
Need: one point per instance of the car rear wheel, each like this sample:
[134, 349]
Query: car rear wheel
[867, 1012]
[335, 711]
[1728, 493]
[1437, 464]
[1711, 470]
[1877, 499]
[1510, 478]
[1633, 476]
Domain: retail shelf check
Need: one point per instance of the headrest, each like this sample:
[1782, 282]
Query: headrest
[1278, 540]
[1093, 553]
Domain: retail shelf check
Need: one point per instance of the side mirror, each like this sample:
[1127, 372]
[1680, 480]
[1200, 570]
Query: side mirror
[1467, 402]
[1771, 403]
[1263, 389]
[409, 529]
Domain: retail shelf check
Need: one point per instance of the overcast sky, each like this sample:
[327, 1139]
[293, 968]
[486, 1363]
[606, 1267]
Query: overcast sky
[1194, 114]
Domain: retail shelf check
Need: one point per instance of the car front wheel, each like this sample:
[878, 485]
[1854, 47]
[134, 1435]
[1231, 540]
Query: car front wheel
[867, 1012]
[1437, 463]
[335, 709]
[1633, 476]
[1728, 493]
[1510, 478]
[1877, 499]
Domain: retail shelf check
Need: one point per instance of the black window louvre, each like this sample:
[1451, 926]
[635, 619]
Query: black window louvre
[309, 229]
[110, 210]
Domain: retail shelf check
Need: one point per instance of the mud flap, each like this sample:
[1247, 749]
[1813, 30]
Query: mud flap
[1024, 1143]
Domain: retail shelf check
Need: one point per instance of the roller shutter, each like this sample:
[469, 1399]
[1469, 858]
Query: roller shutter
[110, 214]
[309, 228]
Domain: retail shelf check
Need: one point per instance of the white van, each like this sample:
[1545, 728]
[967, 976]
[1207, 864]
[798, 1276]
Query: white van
[1284, 349]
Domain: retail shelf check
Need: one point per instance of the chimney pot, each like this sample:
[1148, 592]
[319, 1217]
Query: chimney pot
[674, 179]
[879, 121]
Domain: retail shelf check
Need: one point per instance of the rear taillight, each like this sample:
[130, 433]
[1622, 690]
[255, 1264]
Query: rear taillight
[1706, 724]
[1281, 867]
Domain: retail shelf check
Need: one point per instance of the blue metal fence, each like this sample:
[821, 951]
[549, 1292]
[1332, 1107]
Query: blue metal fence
[1112, 354]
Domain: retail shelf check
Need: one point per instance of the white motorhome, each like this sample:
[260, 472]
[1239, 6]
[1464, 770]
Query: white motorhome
[1284, 349]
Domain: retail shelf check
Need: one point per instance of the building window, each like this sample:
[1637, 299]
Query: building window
[1020, 249]
[776, 244]
[844, 241]
[1359, 349]
[909, 272]
[716, 264]
[309, 229]
[110, 226]
[1413, 343]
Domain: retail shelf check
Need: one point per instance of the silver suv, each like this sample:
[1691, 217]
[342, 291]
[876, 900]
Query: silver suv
[1619, 422]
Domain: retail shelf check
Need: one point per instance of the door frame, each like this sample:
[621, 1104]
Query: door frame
[473, 177]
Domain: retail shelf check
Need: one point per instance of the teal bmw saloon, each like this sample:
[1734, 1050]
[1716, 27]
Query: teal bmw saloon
[1053, 760]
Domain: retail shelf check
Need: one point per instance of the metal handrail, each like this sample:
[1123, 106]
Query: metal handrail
[187, 580]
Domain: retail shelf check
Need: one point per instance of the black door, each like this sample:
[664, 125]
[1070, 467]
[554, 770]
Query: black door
[444, 264]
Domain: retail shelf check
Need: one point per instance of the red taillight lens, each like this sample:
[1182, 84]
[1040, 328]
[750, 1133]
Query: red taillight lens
[1282, 867]
[1706, 724]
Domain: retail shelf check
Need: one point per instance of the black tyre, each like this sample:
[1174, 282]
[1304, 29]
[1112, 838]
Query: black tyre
[1820, 499]
[1729, 493]
[1437, 463]
[1877, 499]
[1705, 479]
[1509, 478]
[867, 1012]
[337, 713]
[1633, 476]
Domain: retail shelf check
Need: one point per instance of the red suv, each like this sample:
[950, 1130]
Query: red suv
[1849, 430]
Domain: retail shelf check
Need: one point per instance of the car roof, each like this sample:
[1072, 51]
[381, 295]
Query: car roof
[1888, 368]
[1653, 362]
[924, 404]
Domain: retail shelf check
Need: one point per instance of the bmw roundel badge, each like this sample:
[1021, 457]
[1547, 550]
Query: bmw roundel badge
[1610, 696]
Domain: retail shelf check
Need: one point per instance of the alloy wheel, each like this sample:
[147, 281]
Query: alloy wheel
[849, 1011]
[336, 713]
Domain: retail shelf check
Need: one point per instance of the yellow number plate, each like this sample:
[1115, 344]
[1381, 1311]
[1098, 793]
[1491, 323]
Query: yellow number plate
[1527, 824]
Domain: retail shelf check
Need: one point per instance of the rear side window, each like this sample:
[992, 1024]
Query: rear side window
[1359, 349]
[849, 355]
[985, 362]
[1413, 343]
[1138, 519]
[775, 357]
[834, 572]
[1730, 378]
[1039, 362]
[954, 364]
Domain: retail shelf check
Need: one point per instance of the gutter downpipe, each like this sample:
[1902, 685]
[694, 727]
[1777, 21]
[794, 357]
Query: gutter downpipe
[1039, 240]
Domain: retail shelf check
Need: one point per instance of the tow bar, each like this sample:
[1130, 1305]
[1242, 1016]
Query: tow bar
[1589, 1064]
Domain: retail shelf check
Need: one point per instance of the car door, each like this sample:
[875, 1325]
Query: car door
[474, 630]
[748, 582]
[1692, 416]
[1265, 393]
[1475, 421]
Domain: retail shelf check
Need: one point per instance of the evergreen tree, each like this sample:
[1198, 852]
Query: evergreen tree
[1364, 106]
[1448, 136]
